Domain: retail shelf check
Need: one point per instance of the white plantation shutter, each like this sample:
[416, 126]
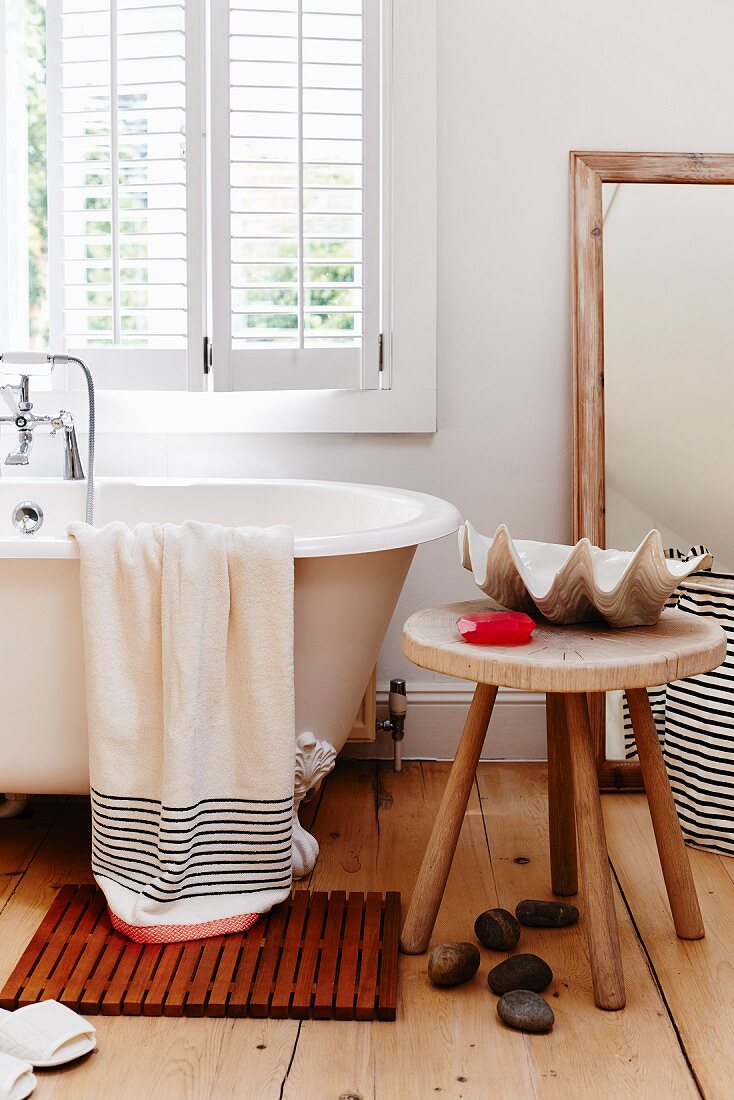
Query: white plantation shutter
[124, 208]
[295, 193]
[260, 172]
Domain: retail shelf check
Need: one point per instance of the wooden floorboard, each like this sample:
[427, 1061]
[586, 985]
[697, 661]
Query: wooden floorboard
[440, 1041]
[21, 839]
[470, 1054]
[697, 978]
[635, 1052]
[334, 1058]
[373, 827]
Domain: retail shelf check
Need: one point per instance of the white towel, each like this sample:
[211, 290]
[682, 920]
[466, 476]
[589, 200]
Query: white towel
[188, 638]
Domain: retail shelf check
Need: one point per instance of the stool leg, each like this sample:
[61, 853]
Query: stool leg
[431, 882]
[561, 816]
[671, 849]
[600, 916]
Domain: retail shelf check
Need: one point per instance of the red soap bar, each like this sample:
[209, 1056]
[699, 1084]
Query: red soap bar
[496, 627]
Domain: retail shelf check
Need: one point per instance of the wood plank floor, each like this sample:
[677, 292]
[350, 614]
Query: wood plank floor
[675, 1038]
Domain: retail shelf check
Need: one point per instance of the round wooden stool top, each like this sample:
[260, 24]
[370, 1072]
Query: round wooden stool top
[582, 657]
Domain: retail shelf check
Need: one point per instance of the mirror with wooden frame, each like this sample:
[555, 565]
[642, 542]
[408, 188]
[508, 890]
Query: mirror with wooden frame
[653, 332]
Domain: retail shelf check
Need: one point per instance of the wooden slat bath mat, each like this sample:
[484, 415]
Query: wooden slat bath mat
[324, 956]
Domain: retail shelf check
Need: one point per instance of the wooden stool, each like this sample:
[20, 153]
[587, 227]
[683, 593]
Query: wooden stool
[566, 662]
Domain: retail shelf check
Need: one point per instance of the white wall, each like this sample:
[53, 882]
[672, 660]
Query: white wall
[520, 85]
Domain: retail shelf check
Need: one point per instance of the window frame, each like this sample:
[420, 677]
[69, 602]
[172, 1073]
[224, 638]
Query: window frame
[405, 401]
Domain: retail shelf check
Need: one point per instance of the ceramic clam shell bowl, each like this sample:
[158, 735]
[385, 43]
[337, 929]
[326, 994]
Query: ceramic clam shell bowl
[575, 584]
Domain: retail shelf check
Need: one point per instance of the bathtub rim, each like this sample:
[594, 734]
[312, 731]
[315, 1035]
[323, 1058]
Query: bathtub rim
[436, 518]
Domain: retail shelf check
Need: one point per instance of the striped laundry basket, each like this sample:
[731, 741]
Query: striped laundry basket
[699, 727]
[658, 695]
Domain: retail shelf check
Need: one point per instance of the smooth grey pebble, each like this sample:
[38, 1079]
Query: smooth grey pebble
[520, 972]
[525, 1011]
[452, 963]
[546, 914]
[497, 929]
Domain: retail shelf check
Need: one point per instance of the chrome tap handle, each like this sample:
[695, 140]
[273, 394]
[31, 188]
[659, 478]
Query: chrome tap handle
[27, 359]
[73, 469]
[17, 397]
[9, 393]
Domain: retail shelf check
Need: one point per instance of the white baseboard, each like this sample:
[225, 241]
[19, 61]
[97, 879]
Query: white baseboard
[436, 714]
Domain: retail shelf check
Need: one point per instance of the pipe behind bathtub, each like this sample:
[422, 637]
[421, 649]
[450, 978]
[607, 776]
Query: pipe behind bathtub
[395, 724]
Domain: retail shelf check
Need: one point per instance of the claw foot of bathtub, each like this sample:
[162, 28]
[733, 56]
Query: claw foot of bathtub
[12, 805]
[314, 761]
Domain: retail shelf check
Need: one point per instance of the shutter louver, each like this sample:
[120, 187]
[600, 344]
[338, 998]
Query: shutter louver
[123, 173]
[299, 196]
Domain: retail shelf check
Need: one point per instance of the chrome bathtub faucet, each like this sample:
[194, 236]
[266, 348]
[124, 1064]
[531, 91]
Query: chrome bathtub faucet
[26, 421]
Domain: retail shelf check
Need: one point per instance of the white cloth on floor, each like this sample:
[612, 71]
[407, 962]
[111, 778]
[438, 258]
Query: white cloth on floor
[17, 1080]
[46, 1033]
[188, 638]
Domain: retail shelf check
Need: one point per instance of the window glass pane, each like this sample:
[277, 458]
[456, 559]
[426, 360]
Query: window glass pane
[24, 314]
[296, 128]
[122, 223]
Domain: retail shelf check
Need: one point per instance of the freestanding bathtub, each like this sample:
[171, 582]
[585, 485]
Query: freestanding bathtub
[353, 545]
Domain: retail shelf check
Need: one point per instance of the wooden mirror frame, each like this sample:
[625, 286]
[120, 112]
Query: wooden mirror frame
[588, 172]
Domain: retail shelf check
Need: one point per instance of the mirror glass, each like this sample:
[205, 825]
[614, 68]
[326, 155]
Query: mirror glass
[669, 372]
